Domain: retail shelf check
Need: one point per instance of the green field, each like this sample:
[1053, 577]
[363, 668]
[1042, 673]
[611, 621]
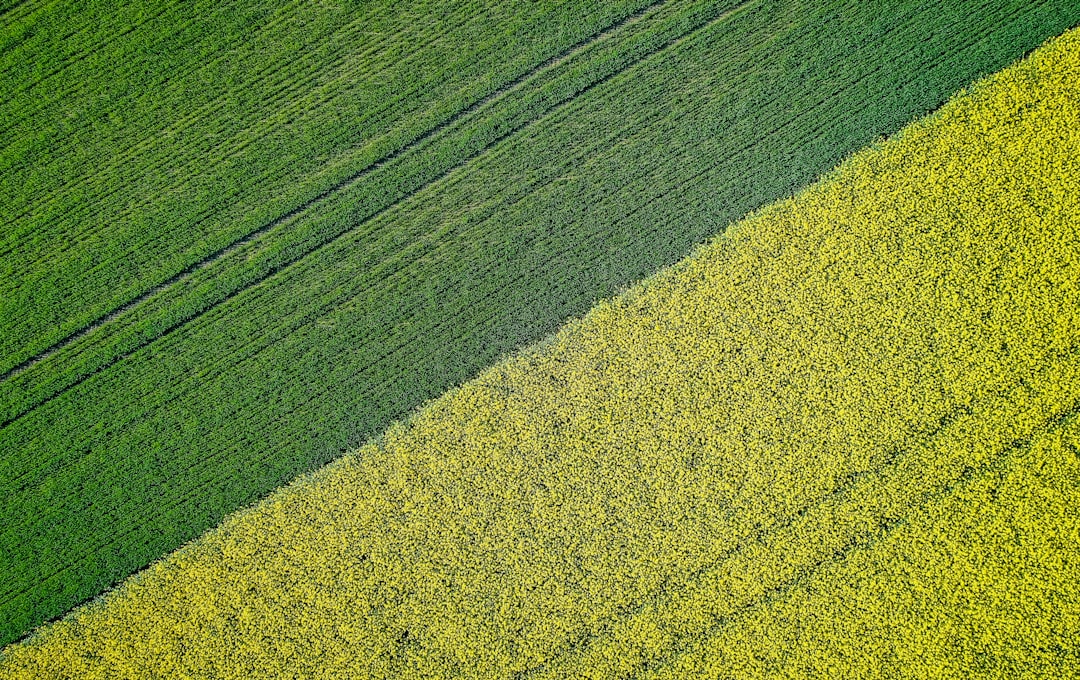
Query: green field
[242, 239]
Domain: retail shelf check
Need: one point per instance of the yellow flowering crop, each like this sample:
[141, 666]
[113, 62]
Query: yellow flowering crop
[838, 441]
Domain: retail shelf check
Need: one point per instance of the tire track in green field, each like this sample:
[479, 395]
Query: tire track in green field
[252, 238]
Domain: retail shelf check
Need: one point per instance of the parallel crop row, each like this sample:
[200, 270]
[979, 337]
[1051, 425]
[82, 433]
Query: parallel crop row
[837, 417]
[972, 582]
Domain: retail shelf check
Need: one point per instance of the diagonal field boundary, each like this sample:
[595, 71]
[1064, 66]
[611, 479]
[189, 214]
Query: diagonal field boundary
[448, 323]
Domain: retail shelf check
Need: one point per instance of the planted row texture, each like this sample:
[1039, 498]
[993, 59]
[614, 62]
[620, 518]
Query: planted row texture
[839, 416]
[588, 172]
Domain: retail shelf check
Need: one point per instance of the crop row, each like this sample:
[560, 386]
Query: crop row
[964, 585]
[847, 378]
[386, 285]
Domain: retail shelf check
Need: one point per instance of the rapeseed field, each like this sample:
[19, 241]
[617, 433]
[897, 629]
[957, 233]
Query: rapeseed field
[840, 440]
[242, 237]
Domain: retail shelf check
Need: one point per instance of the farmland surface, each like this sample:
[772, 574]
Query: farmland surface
[242, 238]
[841, 439]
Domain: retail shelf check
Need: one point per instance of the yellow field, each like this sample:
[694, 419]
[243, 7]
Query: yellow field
[839, 440]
